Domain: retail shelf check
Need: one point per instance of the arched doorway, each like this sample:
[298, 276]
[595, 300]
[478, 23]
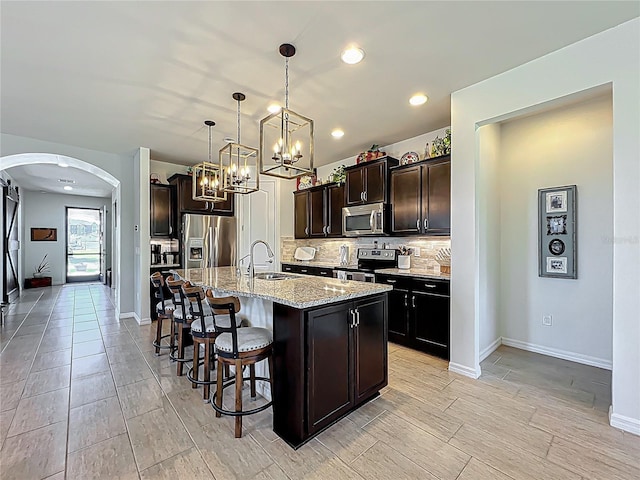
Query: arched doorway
[23, 159]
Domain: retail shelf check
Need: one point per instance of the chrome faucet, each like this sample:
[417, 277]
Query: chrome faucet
[251, 264]
[239, 266]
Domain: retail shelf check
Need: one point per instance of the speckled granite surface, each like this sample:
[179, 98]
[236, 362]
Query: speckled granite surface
[415, 272]
[302, 291]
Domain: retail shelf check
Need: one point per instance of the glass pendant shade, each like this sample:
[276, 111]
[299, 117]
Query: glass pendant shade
[207, 179]
[239, 163]
[286, 137]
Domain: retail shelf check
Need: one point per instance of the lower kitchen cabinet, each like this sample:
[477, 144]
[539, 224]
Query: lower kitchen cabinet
[327, 362]
[419, 313]
[307, 270]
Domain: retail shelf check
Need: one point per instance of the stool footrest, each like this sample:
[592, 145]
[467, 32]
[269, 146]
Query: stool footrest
[233, 413]
[157, 345]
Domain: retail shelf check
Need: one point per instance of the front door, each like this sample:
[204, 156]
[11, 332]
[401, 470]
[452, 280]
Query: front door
[84, 244]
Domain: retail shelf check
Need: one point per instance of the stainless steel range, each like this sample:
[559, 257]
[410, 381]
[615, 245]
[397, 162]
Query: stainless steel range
[369, 260]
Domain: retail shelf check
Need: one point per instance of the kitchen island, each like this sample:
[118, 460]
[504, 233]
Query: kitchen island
[330, 343]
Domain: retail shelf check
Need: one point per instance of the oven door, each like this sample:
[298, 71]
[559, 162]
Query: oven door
[363, 220]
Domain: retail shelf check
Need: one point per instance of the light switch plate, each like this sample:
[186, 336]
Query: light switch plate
[416, 251]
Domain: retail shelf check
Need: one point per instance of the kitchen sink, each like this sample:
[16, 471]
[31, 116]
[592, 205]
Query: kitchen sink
[273, 276]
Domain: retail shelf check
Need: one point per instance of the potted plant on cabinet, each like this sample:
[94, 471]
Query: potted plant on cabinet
[42, 269]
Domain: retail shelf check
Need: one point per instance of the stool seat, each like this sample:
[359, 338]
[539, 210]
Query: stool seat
[249, 339]
[177, 314]
[168, 305]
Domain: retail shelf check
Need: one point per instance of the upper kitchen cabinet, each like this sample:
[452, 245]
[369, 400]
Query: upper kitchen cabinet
[163, 216]
[421, 198]
[318, 211]
[368, 182]
[186, 203]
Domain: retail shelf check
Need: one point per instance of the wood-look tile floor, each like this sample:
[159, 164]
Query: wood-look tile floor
[82, 396]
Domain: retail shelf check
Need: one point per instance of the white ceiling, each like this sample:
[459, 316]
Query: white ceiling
[113, 76]
[46, 178]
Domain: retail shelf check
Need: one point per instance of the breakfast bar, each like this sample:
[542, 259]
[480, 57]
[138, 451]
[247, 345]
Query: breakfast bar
[330, 342]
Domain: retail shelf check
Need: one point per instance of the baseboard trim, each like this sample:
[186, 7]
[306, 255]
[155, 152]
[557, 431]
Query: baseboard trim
[628, 424]
[122, 315]
[553, 352]
[490, 349]
[144, 321]
[464, 370]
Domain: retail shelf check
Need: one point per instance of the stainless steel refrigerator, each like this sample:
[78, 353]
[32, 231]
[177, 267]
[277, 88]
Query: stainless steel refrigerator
[208, 241]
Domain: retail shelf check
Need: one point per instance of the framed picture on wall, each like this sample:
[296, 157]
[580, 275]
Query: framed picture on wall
[557, 233]
[44, 234]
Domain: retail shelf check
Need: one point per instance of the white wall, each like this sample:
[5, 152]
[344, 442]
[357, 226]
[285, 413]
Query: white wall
[121, 167]
[47, 210]
[612, 57]
[489, 260]
[164, 169]
[572, 145]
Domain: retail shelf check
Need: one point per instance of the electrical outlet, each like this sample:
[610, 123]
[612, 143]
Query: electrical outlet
[547, 320]
[416, 251]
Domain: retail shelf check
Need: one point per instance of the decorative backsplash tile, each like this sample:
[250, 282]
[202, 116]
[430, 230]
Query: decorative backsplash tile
[328, 250]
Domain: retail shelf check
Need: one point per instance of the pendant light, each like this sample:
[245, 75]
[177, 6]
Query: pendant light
[286, 137]
[237, 161]
[207, 181]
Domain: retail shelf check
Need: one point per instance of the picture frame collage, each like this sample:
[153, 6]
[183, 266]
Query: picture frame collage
[557, 234]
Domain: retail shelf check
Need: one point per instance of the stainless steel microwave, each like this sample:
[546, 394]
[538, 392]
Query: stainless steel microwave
[363, 220]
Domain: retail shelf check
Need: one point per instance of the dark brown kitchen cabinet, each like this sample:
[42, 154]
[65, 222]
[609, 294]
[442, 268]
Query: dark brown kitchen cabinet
[305, 269]
[162, 211]
[327, 361]
[318, 211]
[368, 182]
[186, 203]
[421, 198]
[419, 313]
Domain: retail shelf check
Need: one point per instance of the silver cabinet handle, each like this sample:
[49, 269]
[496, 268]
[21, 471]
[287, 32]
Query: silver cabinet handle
[358, 316]
[170, 229]
[413, 301]
[406, 300]
[391, 281]
[372, 219]
[353, 319]
[430, 285]
[418, 224]
[323, 273]
[362, 196]
[426, 224]
[306, 230]
[365, 195]
[303, 270]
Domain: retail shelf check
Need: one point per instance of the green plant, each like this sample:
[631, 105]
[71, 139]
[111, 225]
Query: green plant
[43, 266]
[338, 175]
[441, 146]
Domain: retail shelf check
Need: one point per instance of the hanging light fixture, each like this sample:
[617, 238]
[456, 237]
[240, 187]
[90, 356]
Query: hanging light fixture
[286, 137]
[236, 161]
[207, 181]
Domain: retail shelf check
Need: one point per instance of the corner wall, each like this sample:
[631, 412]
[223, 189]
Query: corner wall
[612, 57]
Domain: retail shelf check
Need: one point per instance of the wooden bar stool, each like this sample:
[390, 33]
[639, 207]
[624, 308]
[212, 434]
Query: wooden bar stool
[204, 332]
[239, 347]
[164, 308]
[180, 323]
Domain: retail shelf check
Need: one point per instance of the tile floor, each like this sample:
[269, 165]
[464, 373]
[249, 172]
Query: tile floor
[83, 396]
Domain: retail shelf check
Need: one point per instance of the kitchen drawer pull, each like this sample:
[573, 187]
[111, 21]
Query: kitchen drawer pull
[323, 273]
[303, 270]
[430, 285]
[391, 281]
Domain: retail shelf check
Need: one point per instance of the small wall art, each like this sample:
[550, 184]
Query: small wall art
[557, 232]
[44, 234]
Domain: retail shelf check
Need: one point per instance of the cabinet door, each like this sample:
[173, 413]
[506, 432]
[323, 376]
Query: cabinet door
[300, 215]
[354, 186]
[399, 316]
[375, 182]
[161, 211]
[405, 200]
[437, 198]
[329, 365]
[316, 213]
[335, 202]
[225, 207]
[187, 203]
[370, 347]
[431, 322]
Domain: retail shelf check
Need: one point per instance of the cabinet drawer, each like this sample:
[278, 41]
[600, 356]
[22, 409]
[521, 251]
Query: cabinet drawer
[395, 280]
[439, 287]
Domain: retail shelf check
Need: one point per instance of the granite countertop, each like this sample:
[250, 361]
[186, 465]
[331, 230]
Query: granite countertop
[165, 265]
[300, 291]
[415, 272]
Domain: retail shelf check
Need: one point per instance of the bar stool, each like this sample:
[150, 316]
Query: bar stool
[180, 321]
[204, 332]
[164, 305]
[239, 347]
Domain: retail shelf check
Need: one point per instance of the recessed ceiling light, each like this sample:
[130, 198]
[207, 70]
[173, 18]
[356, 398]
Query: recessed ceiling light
[274, 108]
[337, 133]
[68, 187]
[418, 99]
[63, 164]
[352, 55]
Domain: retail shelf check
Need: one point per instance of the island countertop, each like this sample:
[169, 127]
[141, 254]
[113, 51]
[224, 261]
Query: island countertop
[300, 291]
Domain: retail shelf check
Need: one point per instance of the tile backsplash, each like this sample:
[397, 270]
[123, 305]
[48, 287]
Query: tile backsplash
[328, 250]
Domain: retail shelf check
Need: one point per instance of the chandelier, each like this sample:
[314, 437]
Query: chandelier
[207, 181]
[286, 137]
[236, 161]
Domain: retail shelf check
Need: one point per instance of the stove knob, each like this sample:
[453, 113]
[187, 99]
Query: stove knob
[364, 254]
[386, 254]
